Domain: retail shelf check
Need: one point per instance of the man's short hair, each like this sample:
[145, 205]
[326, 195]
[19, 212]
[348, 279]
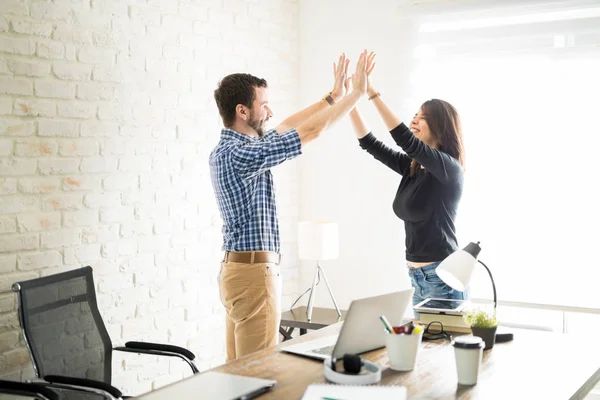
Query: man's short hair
[236, 89]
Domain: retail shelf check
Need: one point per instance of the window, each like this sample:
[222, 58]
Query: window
[526, 81]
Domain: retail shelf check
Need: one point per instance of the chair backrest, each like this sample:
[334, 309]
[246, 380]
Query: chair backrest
[63, 327]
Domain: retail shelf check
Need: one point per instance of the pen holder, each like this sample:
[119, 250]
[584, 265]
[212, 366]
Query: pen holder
[403, 350]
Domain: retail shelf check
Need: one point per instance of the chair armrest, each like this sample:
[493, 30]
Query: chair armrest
[26, 389]
[83, 384]
[161, 347]
[158, 349]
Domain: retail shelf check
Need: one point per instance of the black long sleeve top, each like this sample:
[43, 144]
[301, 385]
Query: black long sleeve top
[428, 201]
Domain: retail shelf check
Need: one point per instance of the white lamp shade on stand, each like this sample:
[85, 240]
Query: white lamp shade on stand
[318, 240]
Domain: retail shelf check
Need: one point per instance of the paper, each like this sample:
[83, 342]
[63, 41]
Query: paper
[350, 392]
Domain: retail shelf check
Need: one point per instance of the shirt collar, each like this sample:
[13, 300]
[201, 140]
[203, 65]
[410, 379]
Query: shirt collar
[227, 133]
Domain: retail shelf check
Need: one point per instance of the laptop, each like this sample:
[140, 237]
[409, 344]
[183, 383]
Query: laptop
[213, 386]
[362, 329]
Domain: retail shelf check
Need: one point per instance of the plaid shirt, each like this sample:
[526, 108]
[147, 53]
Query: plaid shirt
[243, 184]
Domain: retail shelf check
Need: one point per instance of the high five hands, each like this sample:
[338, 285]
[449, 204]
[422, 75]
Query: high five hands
[360, 80]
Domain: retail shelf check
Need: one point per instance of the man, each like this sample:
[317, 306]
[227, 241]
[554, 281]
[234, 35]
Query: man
[250, 280]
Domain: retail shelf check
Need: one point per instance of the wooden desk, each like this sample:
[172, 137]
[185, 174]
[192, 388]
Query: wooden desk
[536, 365]
[296, 318]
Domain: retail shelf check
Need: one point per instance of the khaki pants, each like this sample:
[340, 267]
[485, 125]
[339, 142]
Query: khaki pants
[251, 294]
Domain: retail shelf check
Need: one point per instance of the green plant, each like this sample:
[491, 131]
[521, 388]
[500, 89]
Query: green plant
[480, 319]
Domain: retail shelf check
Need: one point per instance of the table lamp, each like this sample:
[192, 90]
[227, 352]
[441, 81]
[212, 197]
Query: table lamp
[456, 271]
[318, 241]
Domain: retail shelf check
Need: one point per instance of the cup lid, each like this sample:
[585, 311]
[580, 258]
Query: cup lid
[468, 342]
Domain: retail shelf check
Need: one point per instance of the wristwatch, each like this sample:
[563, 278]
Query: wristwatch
[329, 99]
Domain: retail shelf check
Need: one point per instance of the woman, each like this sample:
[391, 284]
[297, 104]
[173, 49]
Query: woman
[432, 168]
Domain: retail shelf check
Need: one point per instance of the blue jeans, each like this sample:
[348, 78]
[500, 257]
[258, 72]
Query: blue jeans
[427, 284]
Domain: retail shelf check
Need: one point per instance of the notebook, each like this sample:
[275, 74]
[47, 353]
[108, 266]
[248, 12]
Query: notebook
[350, 392]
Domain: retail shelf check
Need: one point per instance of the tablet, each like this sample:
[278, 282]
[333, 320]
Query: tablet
[441, 306]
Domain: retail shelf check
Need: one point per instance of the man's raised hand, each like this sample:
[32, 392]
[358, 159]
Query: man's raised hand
[340, 72]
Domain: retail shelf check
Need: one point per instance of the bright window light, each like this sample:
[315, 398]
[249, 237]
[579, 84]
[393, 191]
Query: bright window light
[458, 24]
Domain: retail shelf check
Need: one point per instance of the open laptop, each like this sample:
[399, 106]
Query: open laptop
[362, 329]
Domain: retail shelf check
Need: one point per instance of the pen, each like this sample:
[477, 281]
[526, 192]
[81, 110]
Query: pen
[387, 324]
[329, 398]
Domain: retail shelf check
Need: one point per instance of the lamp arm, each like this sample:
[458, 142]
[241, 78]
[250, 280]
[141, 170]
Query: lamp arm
[493, 285]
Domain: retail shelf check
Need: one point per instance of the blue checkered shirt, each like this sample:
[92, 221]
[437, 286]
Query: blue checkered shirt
[243, 183]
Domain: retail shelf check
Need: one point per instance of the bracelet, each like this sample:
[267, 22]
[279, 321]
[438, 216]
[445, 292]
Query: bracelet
[329, 99]
[375, 95]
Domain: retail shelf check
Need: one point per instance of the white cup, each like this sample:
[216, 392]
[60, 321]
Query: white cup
[468, 351]
[402, 350]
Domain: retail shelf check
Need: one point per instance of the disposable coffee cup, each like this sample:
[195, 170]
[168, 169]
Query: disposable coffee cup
[468, 351]
[403, 350]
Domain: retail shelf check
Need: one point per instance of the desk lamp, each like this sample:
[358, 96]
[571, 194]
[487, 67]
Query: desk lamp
[318, 241]
[457, 269]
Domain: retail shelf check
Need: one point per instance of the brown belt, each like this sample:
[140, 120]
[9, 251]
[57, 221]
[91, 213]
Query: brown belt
[252, 257]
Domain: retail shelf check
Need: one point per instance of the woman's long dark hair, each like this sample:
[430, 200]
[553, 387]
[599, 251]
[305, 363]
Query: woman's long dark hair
[444, 124]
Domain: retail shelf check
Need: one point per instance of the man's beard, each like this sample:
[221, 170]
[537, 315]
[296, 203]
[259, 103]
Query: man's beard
[257, 124]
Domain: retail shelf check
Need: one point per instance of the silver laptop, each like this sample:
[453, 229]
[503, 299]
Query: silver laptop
[362, 329]
[212, 386]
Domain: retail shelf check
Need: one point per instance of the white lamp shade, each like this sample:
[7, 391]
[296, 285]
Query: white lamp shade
[457, 269]
[318, 240]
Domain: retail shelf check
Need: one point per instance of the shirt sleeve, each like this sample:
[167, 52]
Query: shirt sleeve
[254, 157]
[442, 166]
[395, 160]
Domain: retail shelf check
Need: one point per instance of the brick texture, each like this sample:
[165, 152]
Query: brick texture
[106, 122]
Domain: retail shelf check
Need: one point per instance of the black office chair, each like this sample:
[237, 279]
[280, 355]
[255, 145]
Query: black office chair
[66, 336]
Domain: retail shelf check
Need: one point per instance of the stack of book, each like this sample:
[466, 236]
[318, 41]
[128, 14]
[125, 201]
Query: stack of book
[451, 323]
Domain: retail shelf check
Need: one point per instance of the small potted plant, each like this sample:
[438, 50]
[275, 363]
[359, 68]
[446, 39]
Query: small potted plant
[483, 325]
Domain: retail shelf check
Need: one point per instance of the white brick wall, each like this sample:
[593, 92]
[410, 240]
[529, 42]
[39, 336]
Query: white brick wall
[106, 123]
